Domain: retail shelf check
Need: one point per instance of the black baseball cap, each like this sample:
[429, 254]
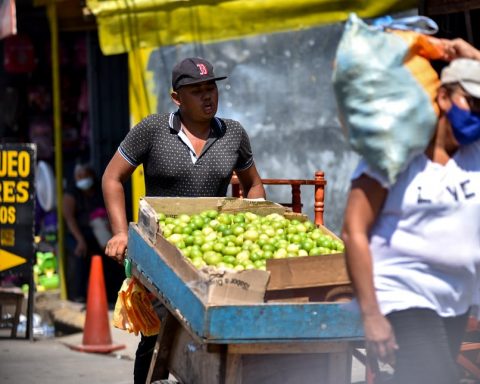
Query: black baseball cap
[193, 70]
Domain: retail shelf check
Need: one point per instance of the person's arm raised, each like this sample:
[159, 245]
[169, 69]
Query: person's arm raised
[459, 48]
[116, 174]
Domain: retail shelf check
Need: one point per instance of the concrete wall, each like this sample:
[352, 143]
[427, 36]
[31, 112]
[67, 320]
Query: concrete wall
[279, 88]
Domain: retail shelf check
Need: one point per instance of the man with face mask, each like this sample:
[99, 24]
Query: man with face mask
[82, 206]
[413, 248]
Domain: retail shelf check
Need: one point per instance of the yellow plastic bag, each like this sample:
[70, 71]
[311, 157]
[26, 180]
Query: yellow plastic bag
[134, 310]
[120, 316]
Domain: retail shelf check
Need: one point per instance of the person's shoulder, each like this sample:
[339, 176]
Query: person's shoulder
[231, 126]
[152, 123]
[229, 121]
[155, 119]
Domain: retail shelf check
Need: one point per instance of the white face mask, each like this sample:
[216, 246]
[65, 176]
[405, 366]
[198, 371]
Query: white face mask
[84, 184]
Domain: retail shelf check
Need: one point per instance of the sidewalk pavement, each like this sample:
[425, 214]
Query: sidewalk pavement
[50, 361]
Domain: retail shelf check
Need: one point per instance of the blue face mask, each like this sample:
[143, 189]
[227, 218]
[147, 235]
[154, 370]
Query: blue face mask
[85, 184]
[465, 125]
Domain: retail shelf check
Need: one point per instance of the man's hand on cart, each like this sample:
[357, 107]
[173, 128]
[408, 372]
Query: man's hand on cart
[117, 246]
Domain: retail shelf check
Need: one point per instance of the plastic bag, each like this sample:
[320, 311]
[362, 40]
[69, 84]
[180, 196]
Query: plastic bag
[134, 310]
[100, 226]
[385, 88]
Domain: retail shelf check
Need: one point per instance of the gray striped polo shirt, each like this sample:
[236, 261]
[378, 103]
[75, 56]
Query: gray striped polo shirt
[168, 167]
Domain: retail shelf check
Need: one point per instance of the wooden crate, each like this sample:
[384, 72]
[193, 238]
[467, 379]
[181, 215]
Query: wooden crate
[301, 279]
[310, 278]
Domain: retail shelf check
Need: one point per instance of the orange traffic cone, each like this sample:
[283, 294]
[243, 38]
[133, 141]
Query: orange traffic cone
[96, 332]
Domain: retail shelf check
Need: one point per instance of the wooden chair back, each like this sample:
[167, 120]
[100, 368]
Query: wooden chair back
[296, 204]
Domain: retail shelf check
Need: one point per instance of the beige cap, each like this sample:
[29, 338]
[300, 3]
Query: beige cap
[463, 71]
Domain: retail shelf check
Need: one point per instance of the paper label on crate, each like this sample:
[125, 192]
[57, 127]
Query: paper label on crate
[237, 287]
[223, 281]
[147, 221]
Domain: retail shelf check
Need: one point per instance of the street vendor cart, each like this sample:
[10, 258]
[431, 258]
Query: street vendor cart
[208, 337]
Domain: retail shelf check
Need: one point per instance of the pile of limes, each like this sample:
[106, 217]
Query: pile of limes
[244, 240]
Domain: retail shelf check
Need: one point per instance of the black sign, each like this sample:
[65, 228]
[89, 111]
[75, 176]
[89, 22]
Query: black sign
[17, 208]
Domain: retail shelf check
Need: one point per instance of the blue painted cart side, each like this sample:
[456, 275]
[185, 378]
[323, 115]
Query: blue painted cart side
[268, 322]
[282, 322]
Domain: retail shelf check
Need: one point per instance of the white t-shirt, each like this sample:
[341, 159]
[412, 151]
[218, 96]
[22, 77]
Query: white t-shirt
[426, 240]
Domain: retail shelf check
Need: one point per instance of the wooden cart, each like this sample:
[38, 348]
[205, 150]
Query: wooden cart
[255, 343]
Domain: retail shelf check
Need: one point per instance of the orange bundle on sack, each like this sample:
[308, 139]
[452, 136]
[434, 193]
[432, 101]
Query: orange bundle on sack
[422, 49]
[134, 310]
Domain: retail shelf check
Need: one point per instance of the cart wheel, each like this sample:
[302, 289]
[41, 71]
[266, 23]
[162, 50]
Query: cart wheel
[339, 294]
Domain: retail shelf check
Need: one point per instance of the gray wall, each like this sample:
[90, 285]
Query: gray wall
[279, 88]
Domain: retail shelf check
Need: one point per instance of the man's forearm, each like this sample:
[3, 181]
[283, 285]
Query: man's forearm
[114, 197]
[256, 192]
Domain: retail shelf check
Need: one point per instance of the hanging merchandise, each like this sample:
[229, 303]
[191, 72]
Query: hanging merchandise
[100, 226]
[19, 54]
[45, 186]
[45, 271]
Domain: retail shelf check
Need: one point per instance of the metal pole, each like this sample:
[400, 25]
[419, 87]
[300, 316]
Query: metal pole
[53, 21]
[30, 303]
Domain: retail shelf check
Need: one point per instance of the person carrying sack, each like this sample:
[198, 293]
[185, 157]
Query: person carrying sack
[413, 246]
